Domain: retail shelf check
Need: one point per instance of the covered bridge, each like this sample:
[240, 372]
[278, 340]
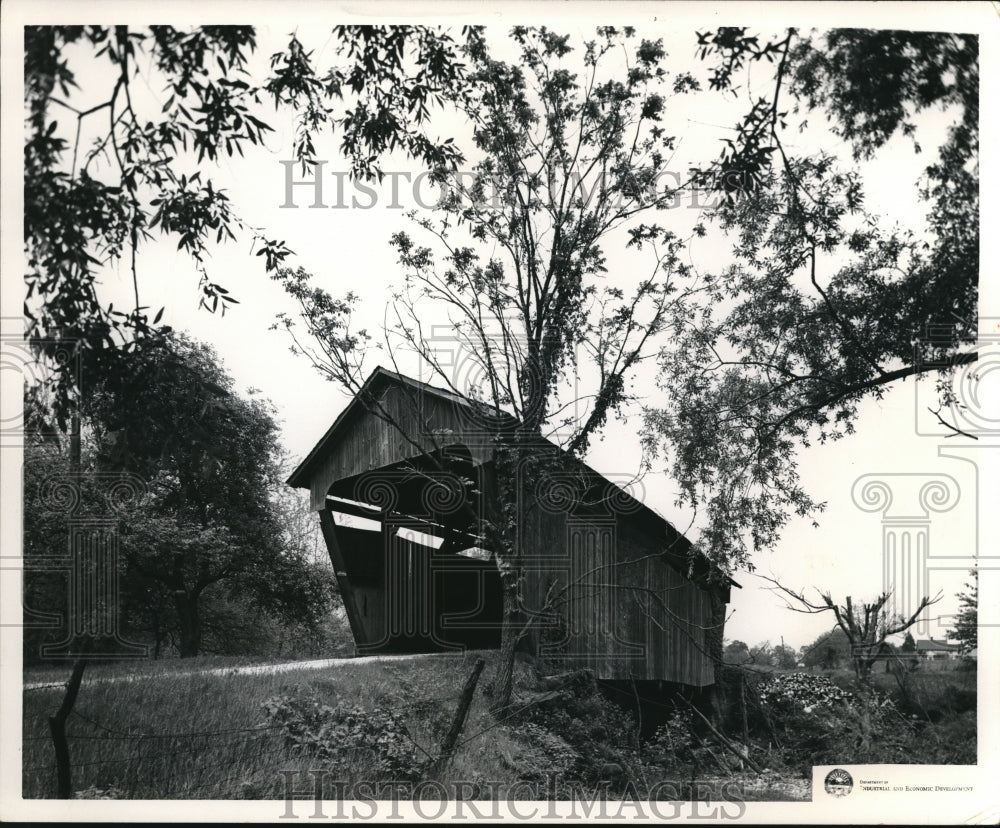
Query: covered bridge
[404, 482]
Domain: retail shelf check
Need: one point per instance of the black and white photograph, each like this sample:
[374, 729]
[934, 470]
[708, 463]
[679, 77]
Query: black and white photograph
[554, 412]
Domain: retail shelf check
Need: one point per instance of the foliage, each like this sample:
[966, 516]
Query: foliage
[570, 149]
[243, 756]
[865, 625]
[801, 691]
[205, 530]
[736, 652]
[810, 720]
[546, 753]
[824, 306]
[762, 654]
[784, 657]
[346, 737]
[828, 650]
[148, 170]
[674, 741]
[966, 630]
[583, 736]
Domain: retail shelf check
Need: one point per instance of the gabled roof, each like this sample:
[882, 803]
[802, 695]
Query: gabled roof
[925, 645]
[381, 378]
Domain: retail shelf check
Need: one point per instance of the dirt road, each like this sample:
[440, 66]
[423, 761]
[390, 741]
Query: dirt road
[249, 670]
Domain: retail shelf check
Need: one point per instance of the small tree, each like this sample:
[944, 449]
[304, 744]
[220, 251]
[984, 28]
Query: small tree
[966, 630]
[736, 652]
[866, 625]
[784, 657]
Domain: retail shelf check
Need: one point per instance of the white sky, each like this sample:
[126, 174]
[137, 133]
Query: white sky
[348, 250]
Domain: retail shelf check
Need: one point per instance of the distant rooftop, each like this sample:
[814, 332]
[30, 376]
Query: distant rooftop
[930, 645]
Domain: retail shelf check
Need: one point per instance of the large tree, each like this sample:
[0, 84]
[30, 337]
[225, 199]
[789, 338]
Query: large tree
[867, 625]
[570, 147]
[157, 108]
[208, 526]
[824, 304]
[780, 351]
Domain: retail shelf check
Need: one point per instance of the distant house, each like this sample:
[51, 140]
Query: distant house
[931, 650]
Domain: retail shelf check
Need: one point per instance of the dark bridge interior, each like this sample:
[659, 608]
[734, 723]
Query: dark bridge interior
[418, 578]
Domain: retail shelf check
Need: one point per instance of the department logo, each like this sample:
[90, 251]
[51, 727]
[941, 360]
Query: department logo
[838, 782]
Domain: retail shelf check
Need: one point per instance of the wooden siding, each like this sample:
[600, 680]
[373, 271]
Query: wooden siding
[409, 597]
[631, 610]
[370, 443]
[627, 615]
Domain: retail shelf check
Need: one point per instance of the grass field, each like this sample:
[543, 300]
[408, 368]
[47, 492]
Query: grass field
[207, 736]
[174, 734]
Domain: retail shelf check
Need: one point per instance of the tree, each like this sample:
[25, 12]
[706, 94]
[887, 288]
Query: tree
[827, 651]
[762, 654]
[517, 266]
[736, 652]
[208, 527]
[824, 306]
[966, 630]
[784, 657]
[148, 169]
[866, 626]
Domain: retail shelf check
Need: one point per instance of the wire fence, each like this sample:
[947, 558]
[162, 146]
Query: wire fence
[114, 760]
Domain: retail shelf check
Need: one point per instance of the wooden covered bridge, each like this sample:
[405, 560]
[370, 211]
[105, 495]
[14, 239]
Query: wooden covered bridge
[404, 481]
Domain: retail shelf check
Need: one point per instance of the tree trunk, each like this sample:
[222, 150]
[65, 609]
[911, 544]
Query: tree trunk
[189, 619]
[503, 680]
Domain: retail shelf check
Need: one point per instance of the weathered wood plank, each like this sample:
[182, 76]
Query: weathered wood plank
[354, 616]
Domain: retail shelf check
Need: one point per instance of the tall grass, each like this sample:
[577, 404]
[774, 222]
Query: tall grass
[207, 736]
[178, 735]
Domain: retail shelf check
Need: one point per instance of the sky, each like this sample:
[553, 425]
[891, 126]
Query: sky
[347, 250]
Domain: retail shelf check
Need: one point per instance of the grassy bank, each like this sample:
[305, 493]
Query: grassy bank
[172, 734]
[176, 736]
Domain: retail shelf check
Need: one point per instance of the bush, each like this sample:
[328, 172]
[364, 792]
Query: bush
[347, 737]
[673, 743]
[817, 720]
[580, 735]
[784, 691]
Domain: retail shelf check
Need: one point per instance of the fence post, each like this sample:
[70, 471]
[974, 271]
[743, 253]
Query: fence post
[461, 713]
[57, 726]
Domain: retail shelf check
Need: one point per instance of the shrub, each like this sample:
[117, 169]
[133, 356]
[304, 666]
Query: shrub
[673, 743]
[801, 691]
[544, 753]
[581, 735]
[347, 737]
